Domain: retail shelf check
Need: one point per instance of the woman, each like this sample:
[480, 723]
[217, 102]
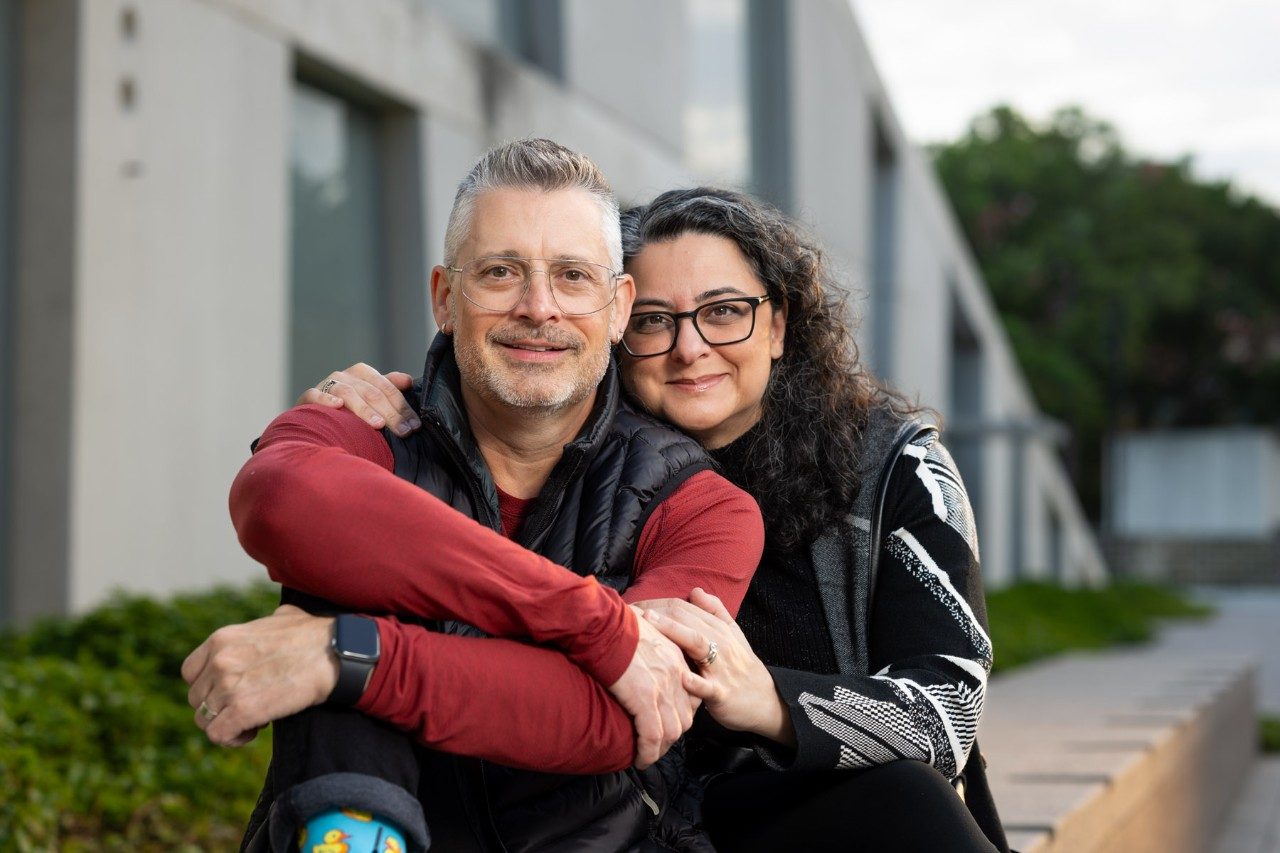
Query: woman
[737, 338]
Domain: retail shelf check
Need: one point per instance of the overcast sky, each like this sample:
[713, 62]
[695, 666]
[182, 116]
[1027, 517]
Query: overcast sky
[1198, 77]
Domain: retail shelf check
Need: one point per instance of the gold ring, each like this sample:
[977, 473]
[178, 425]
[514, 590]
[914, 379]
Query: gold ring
[205, 711]
[324, 389]
[713, 651]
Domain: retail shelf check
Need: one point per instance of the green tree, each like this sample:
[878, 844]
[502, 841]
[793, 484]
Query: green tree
[1134, 294]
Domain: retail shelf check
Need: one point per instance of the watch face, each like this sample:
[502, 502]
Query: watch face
[356, 638]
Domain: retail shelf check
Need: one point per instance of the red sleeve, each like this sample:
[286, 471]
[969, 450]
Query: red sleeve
[708, 533]
[502, 700]
[318, 504]
[530, 707]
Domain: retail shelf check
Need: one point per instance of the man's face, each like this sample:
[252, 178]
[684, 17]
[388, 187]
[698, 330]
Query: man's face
[533, 357]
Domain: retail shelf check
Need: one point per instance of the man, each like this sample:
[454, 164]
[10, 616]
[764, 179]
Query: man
[525, 433]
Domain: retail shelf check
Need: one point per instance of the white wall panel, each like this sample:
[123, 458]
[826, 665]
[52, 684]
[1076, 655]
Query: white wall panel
[181, 311]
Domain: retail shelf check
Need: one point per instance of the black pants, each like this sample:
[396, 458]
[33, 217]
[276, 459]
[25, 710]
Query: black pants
[334, 757]
[330, 756]
[900, 807]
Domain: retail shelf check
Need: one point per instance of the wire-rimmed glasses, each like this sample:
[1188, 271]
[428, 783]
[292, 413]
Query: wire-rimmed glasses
[498, 283]
[724, 321]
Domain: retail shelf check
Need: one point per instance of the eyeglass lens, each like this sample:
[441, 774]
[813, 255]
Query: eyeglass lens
[725, 321]
[498, 283]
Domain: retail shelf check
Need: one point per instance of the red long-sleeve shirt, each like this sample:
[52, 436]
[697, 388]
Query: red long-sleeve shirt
[318, 504]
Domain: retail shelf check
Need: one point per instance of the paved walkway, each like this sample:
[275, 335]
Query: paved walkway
[1072, 738]
[1253, 826]
[1248, 622]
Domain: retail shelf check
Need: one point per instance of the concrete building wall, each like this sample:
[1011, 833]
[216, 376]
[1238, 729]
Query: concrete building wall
[182, 221]
[631, 60]
[527, 103]
[153, 279]
[1190, 484]
[1196, 506]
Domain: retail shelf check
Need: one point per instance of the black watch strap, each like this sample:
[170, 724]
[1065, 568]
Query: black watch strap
[356, 645]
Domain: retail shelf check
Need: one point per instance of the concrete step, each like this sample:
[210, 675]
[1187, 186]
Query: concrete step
[1131, 751]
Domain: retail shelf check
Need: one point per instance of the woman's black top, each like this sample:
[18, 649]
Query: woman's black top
[929, 655]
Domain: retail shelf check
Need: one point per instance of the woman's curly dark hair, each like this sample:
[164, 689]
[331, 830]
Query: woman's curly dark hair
[805, 456]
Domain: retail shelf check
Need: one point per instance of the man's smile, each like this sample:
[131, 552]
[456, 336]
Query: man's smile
[533, 351]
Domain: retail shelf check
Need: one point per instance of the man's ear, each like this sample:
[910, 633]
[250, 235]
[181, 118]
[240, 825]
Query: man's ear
[440, 302]
[624, 297]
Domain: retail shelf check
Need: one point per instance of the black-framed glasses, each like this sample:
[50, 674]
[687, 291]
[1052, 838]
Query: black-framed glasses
[724, 321]
[498, 283]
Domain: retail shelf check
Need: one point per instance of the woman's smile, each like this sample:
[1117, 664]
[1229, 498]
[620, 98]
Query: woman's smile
[698, 384]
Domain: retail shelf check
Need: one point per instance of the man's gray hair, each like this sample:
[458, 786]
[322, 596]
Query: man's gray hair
[535, 164]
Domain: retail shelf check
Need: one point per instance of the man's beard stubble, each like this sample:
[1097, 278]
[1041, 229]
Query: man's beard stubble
[530, 386]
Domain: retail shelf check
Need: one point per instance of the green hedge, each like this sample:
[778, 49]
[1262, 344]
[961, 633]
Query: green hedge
[1269, 733]
[1031, 621]
[98, 750]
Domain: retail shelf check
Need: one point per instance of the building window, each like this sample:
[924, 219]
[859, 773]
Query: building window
[965, 427]
[769, 49]
[534, 31]
[884, 248]
[8, 139]
[1057, 559]
[717, 115]
[338, 284]
[738, 103]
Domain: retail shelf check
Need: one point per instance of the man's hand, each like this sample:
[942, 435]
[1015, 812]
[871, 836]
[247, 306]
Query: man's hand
[737, 686]
[652, 692]
[245, 676]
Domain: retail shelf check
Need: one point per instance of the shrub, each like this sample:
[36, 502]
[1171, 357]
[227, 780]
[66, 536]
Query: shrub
[1030, 621]
[1269, 733]
[97, 745]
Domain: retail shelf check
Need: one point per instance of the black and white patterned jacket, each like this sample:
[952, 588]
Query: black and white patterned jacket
[913, 671]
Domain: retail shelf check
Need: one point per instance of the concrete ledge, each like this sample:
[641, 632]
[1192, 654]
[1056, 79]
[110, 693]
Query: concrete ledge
[1138, 751]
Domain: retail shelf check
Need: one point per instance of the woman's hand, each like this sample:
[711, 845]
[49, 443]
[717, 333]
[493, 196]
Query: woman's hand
[370, 396]
[736, 686]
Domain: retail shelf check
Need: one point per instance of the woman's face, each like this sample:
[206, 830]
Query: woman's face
[713, 393]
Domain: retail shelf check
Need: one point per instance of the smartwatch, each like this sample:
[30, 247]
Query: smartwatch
[357, 646]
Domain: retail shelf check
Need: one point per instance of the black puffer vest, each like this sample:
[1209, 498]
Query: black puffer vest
[588, 517]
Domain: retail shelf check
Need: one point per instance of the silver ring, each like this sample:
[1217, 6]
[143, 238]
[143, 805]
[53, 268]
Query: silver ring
[324, 389]
[205, 711]
[713, 651]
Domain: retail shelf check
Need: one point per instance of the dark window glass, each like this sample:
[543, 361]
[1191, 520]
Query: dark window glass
[338, 293]
[884, 249]
[965, 427]
[534, 31]
[717, 117]
[8, 134]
